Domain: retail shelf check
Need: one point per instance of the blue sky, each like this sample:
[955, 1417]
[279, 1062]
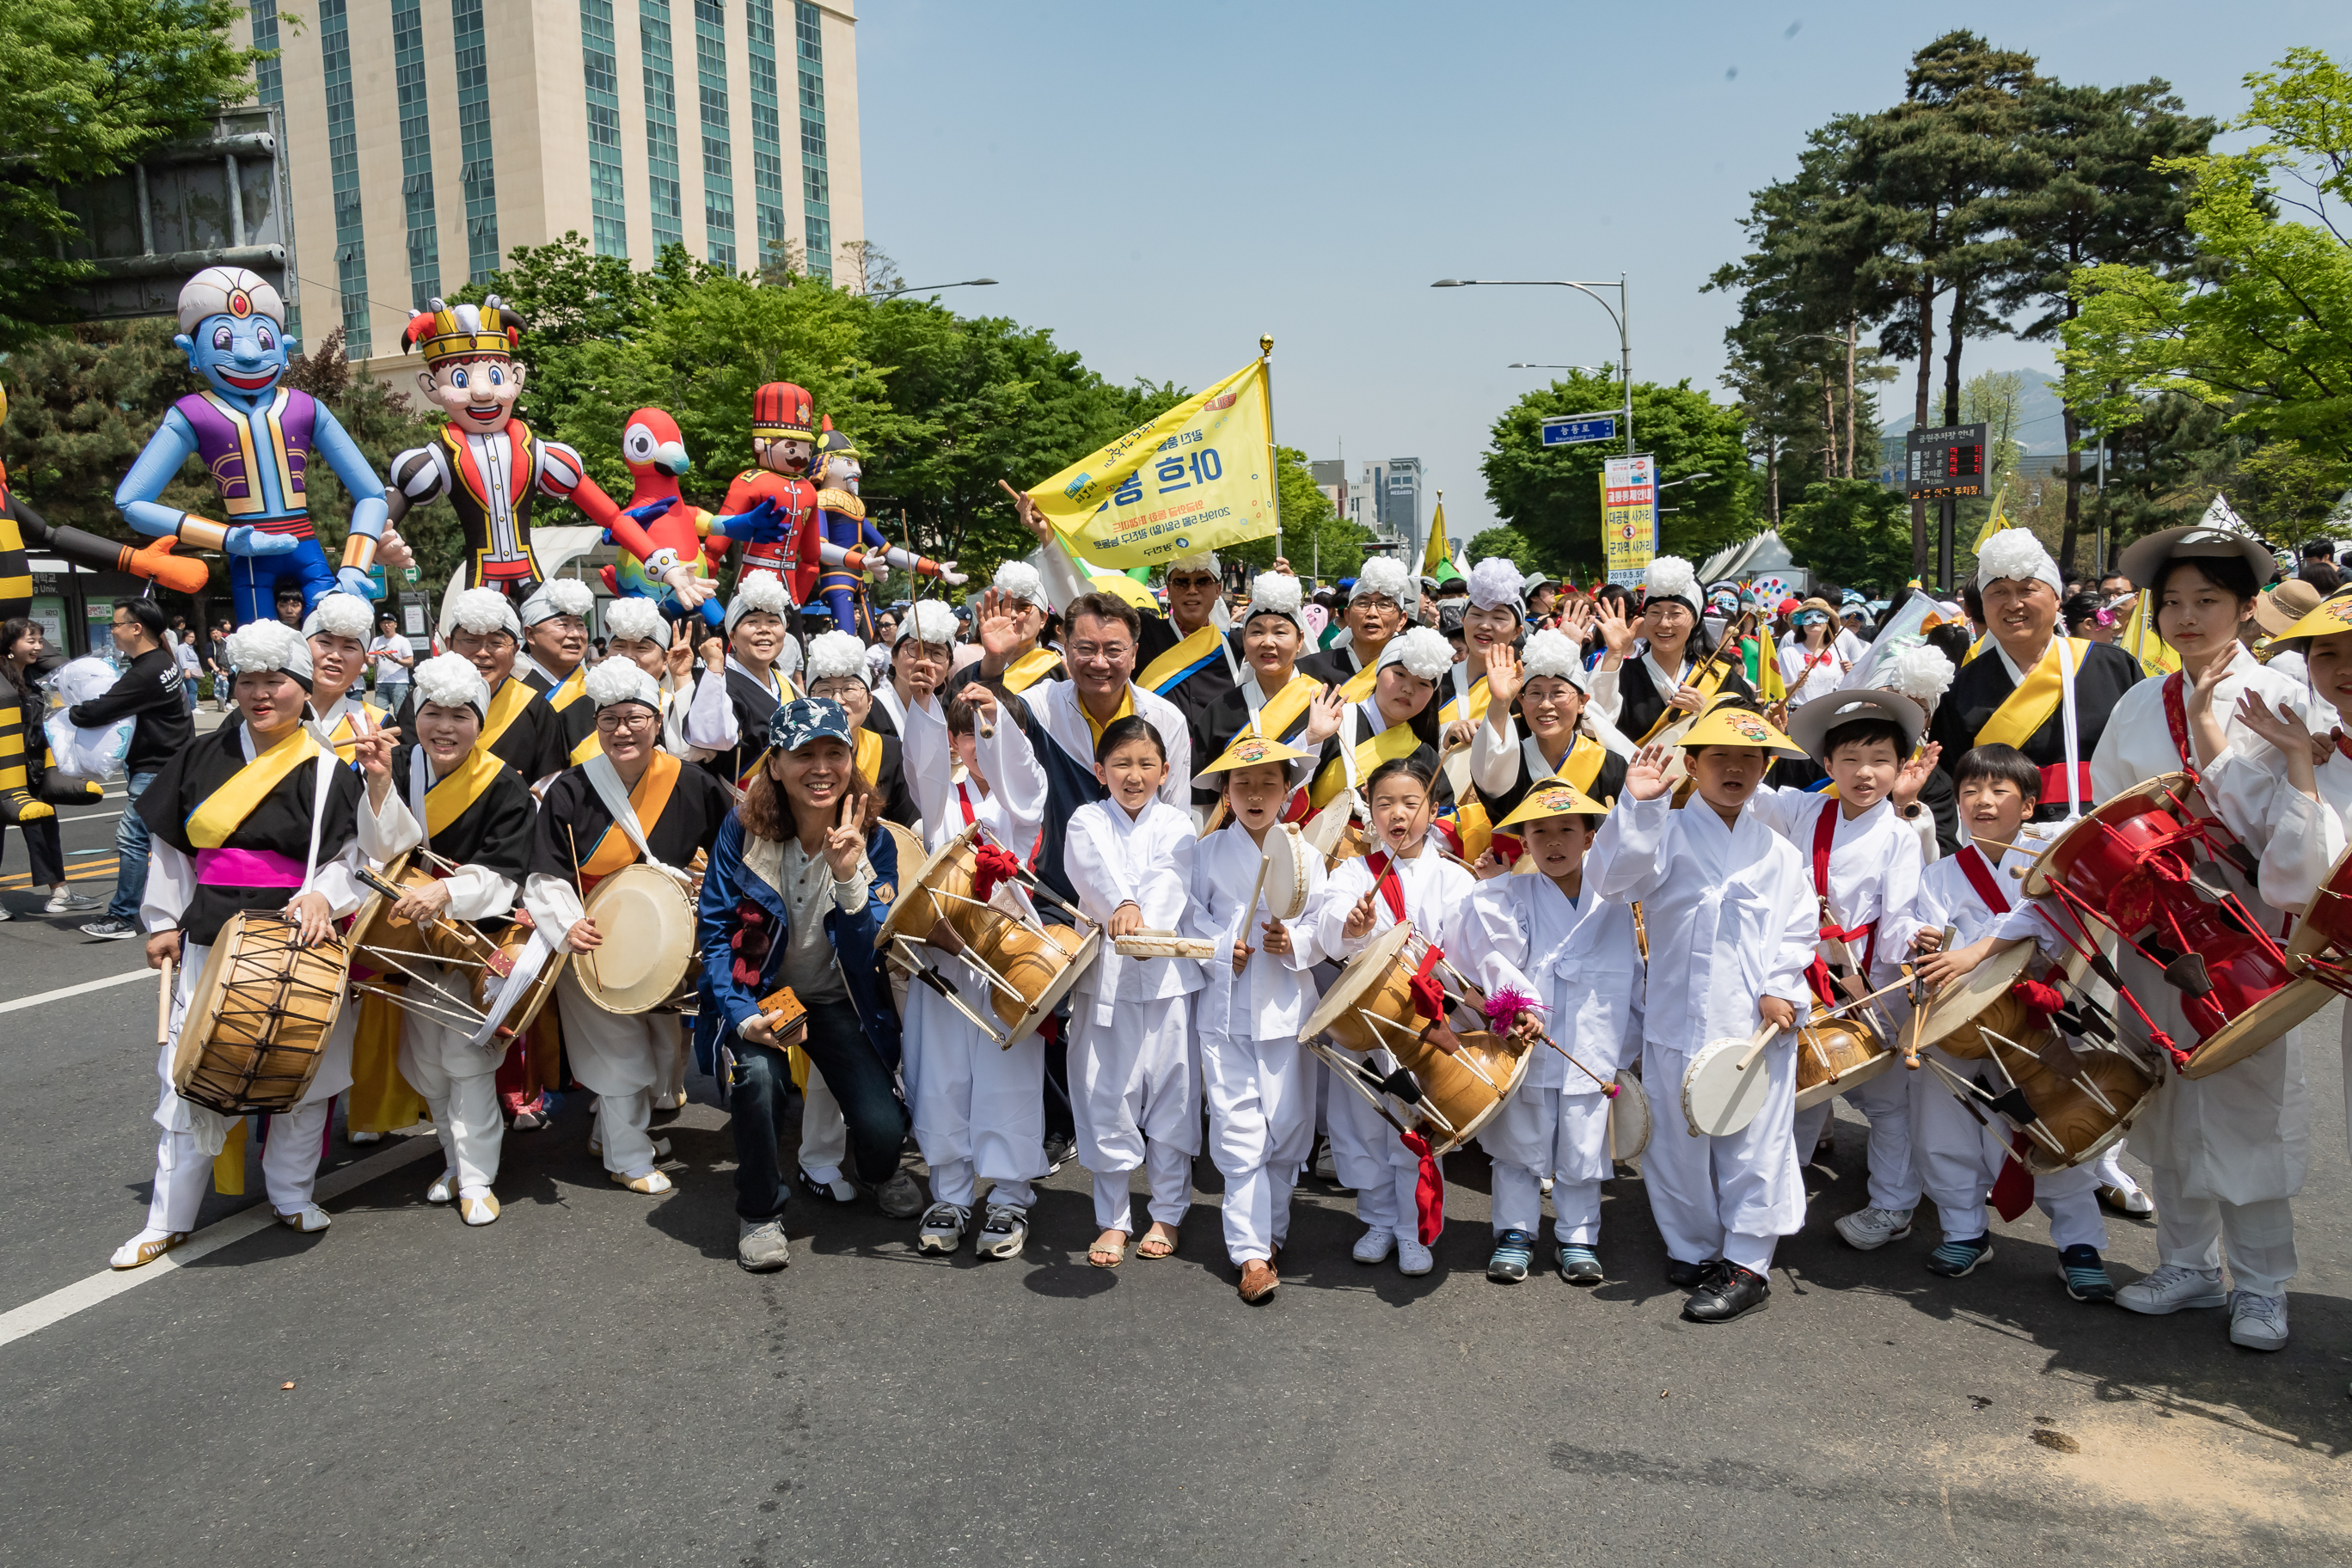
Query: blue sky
[1160, 184]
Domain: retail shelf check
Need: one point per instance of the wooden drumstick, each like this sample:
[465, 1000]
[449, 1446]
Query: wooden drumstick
[1756, 1047]
[163, 1003]
[1249, 910]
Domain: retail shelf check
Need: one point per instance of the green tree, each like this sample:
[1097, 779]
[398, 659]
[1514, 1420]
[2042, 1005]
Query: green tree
[1853, 531]
[1552, 495]
[2261, 324]
[1508, 542]
[2106, 195]
[82, 402]
[87, 88]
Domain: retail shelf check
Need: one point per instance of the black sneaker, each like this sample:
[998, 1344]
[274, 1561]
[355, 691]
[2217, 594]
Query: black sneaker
[1731, 1294]
[1691, 1276]
[110, 927]
[1059, 1151]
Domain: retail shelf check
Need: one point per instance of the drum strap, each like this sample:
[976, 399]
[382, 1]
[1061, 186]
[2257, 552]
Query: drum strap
[661, 777]
[1979, 871]
[1824, 833]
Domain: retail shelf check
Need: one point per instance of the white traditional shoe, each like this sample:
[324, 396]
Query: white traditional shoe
[362, 1137]
[308, 1219]
[1374, 1245]
[1866, 1230]
[1412, 1258]
[670, 1101]
[650, 1182]
[2172, 1289]
[2257, 1322]
[478, 1208]
[444, 1187]
[145, 1248]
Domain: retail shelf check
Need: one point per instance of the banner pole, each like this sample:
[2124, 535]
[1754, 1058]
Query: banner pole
[1273, 447]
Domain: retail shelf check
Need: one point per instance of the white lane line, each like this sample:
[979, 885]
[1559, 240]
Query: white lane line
[57, 995]
[107, 1283]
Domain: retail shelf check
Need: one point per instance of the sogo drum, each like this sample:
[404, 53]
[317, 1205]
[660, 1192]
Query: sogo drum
[1029, 966]
[258, 1018]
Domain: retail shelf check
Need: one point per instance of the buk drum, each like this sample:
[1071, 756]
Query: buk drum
[1629, 1120]
[258, 1022]
[2080, 1117]
[1369, 1010]
[2320, 943]
[646, 959]
[1958, 1019]
[509, 1002]
[1027, 965]
[1164, 944]
[1725, 1084]
[1834, 1053]
[1285, 878]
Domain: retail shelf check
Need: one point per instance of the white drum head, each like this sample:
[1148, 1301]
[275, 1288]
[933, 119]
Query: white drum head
[1718, 1099]
[909, 895]
[1325, 828]
[648, 930]
[1362, 973]
[1286, 873]
[1629, 1122]
[1955, 1003]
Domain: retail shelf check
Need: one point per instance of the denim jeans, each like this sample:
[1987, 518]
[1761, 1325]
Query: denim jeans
[837, 1048]
[129, 854]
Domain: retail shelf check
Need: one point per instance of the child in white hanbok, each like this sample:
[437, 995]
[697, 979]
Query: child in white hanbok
[1135, 1088]
[1255, 996]
[979, 1106]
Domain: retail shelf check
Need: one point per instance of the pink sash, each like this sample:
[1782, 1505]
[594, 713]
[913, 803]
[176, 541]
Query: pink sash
[248, 868]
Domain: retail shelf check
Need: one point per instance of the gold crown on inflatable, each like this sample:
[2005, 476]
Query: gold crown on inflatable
[443, 332]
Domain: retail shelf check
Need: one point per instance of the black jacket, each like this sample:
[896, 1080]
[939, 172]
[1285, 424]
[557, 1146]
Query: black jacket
[149, 692]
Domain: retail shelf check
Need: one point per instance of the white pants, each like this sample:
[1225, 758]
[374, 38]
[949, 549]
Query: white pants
[1550, 1132]
[1732, 1198]
[824, 1131]
[979, 1107]
[1368, 1155]
[669, 1065]
[617, 1057]
[1135, 1093]
[459, 1083]
[2194, 1233]
[1261, 1130]
[193, 1134]
[1960, 1158]
[1886, 1101]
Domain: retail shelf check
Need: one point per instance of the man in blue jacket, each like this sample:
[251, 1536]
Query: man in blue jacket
[800, 881]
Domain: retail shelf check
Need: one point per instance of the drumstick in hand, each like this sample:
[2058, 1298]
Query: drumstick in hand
[163, 1003]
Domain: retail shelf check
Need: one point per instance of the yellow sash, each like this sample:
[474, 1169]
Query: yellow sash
[445, 799]
[1182, 657]
[1030, 668]
[210, 824]
[1396, 740]
[1475, 703]
[1126, 711]
[616, 849]
[589, 746]
[1282, 710]
[870, 757]
[2028, 707]
[573, 687]
[1357, 688]
[506, 707]
[1582, 764]
[343, 734]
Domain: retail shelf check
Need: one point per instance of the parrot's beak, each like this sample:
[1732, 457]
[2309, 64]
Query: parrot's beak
[670, 459]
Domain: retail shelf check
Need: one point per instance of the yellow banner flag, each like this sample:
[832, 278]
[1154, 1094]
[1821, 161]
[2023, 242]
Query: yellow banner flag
[1993, 523]
[1432, 560]
[2138, 639]
[1200, 476]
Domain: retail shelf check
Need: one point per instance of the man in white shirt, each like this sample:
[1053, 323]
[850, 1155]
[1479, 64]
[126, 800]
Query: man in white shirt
[392, 658]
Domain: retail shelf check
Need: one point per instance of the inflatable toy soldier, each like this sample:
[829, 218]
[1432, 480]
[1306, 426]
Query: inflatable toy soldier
[783, 434]
[848, 543]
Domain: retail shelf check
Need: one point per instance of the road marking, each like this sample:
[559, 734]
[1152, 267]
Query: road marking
[57, 995]
[76, 871]
[107, 1283]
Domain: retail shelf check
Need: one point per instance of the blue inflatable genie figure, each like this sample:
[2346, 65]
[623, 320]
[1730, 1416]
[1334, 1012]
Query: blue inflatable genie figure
[258, 438]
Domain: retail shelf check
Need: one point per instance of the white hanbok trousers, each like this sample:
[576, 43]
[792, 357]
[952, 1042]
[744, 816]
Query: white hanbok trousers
[1368, 1155]
[459, 1084]
[1261, 1130]
[192, 1134]
[1135, 1093]
[1556, 1133]
[617, 1057]
[979, 1107]
[1732, 1198]
[1960, 1158]
[824, 1131]
[1888, 1103]
[669, 1065]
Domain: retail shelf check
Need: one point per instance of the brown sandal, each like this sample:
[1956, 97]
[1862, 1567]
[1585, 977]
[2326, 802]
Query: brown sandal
[1155, 1244]
[1107, 1256]
[1258, 1280]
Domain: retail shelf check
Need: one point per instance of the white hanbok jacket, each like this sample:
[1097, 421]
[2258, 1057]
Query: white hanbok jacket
[1273, 996]
[1147, 860]
[1579, 959]
[1876, 863]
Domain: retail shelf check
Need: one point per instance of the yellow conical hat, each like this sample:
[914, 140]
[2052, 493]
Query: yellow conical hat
[1728, 726]
[2333, 615]
[1556, 797]
[1248, 751]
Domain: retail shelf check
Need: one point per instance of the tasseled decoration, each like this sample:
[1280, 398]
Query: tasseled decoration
[1428, 993]
[2040, 1000]
[1504, 1007]
[1429, 1196]
[992, 866]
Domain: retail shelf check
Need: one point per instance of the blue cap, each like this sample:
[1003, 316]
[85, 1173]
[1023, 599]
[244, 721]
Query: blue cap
[807, 719]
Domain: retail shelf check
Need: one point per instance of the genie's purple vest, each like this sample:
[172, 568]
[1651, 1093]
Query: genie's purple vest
[230, 445]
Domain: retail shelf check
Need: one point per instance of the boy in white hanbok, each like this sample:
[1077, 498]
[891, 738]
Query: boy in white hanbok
[1135, 1088]
[1548, 936]
[1256, 995]
[1731, 920]
[1979, 896]
[979, 1107]
[1407, 879]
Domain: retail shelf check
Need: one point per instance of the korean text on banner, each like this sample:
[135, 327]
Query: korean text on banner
[1200, 476]
[1629, 517]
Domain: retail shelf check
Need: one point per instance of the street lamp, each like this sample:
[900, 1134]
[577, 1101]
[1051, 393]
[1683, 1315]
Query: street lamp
[935, 288]
[1702, 474]
[1524, 364]
[1620, 315]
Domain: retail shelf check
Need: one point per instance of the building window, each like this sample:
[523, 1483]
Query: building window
[474, 140]
[415, 151]
[267, 82]
[607, 214]
[717, 170]
[343, 165]
[661, 124]
[808, 38]
[767, 128]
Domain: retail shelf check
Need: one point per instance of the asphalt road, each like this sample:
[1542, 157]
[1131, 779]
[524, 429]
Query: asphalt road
[591, 1380]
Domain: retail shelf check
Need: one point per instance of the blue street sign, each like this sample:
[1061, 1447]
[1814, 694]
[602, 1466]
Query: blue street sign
[1568, 431]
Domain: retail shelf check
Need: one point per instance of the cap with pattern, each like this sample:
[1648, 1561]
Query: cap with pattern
[443, 332]
[1249, 751]
[1558, 798]
[806, 720]
[1729, 726]
[782, 412]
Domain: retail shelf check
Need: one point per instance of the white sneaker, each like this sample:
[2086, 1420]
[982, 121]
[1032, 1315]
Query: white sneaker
[1412, 1257]
[1374, 1245]
[1866, 1230]
[943, 1228]
[1005, 1234]
[1327, 1166]
[65, 901]
[2257, 1322]
[2173, 1288]
[363, 1138]
[444, 1188]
